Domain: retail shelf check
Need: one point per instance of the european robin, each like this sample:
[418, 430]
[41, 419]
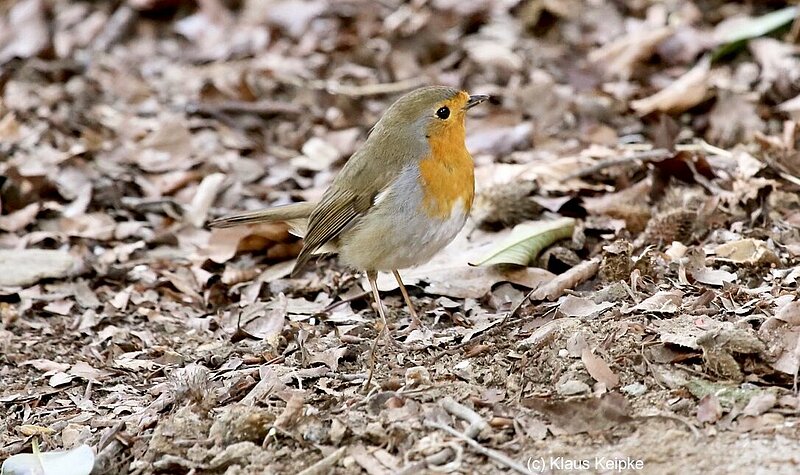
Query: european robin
[400, 199]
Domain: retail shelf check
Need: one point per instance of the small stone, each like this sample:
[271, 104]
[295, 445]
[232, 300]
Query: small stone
[634, 389]
[573, 387]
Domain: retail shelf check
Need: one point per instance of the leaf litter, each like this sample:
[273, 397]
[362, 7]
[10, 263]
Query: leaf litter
[666, 134]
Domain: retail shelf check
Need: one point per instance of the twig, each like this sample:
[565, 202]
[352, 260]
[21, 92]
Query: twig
[498, 457]
[568, 280]
[643, 156]
[116, 28]
[495, 329]
[476, 421]
[325, 465]
[263, 107]
[517, 308]
[677, 418]
[335, 87]
[353, 298]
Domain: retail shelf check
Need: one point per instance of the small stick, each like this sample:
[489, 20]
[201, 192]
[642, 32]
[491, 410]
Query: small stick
[325, 465]
[333, 305]
[476, 421]
[117, 26]
[263, 107]
[498, 457]
[568, 280]
[334, 87]
[643, 156]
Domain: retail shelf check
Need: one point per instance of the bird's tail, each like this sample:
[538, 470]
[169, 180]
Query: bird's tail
[295, 214]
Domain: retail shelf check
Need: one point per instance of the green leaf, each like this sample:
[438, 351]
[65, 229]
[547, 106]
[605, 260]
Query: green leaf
[753, 28]
[527, 240]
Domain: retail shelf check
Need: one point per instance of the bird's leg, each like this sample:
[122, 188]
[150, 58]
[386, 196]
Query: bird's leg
[415, 321]
[372, 276]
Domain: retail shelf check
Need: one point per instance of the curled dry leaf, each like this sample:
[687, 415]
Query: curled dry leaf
[751, 252]
[619, 57]
[782, 336]
[224, 243]
[527, 240]
[28, 266]
[206, 193]
[709, 409]
[664, 301]
[570, 279]
[583, 415]
[599, 369]
[684, 93]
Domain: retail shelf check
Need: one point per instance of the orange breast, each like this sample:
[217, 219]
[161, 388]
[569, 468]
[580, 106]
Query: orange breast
[447, 175]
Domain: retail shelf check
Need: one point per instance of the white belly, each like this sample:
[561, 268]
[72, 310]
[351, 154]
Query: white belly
[396, 233]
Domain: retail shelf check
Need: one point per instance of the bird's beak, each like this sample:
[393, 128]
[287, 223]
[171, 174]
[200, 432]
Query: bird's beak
[476, 99]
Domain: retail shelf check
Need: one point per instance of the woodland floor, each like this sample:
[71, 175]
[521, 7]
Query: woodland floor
[666, 130]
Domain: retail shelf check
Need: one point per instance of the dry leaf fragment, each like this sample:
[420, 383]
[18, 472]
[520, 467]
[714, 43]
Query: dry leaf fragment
[751, 252]
[583, 415]
[782, 335]
[207, 191]
[329, 357]
[599, 369]
[20, 219]
[760, 403]
[292, 412]
[582, 307]
[29, 31]
[664, 301]
[27, 266]
[709, 409]
[684, 93]
[619, 57]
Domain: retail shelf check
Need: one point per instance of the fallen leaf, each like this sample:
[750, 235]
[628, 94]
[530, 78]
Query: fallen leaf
[582, 307]
[709, 410]
[599, 369]
[684, 93]
[527, 240]
[664, 301]
[583, 415]
[27, 266]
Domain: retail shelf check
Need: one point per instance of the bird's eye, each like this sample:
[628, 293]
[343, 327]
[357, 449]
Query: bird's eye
[443, 113]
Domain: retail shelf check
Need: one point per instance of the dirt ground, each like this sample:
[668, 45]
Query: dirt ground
[653, 328]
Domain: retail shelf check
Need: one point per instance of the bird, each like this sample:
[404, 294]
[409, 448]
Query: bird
[399, 199]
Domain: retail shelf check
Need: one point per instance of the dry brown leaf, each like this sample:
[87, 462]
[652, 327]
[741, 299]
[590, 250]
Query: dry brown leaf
[664, 301]
[749, 252]
[583, 415]
[224, 243]
[684, 93]
[782, 336]
[20, 219]
[709, 409]
[581, 307]
[29, 31]
[599, 369]
[619, 57]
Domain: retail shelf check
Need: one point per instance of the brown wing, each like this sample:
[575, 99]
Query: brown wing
[369, 171]
[338, 209]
